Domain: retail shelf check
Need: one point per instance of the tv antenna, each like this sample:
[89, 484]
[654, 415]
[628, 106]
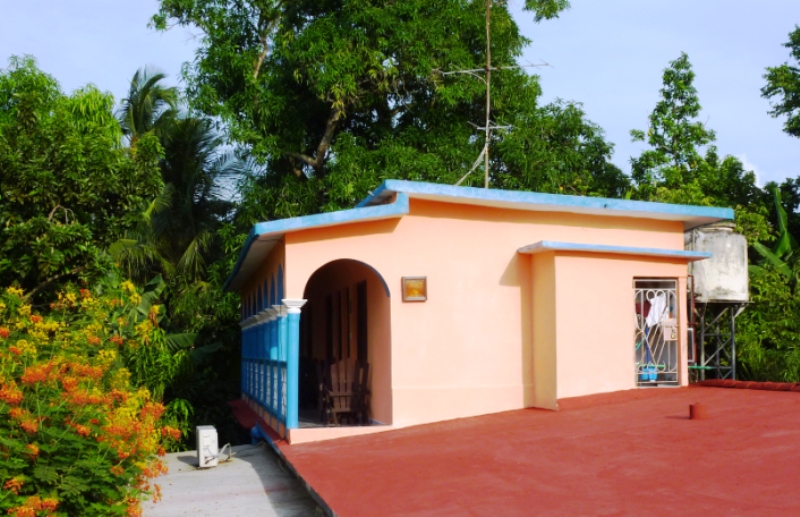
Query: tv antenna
[487, 79]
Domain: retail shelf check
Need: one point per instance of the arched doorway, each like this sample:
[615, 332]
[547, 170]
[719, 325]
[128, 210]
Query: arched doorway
[346, 318]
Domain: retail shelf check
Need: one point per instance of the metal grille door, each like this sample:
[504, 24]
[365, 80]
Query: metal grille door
[656, 337]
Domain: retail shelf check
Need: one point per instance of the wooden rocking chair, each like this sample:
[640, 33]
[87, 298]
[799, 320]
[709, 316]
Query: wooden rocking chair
[343, 392]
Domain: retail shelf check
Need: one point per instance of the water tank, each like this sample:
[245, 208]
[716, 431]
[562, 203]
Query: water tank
[723, 277]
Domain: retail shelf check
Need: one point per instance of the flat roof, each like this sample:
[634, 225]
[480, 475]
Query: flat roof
[391, 200]
[634, 452]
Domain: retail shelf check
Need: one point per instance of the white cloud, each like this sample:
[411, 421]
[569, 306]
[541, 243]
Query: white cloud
[750, 166]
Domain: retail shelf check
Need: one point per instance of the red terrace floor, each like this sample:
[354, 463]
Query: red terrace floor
[629, 453]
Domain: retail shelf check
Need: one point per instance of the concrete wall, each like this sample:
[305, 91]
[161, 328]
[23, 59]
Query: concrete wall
[469, 350]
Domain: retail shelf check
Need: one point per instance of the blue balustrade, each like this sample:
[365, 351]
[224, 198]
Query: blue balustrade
[271, 362]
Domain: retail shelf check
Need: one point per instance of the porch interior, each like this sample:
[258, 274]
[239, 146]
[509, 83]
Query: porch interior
[344, 348]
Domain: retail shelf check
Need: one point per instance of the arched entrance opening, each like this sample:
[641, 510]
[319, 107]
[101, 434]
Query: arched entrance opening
[345, 326]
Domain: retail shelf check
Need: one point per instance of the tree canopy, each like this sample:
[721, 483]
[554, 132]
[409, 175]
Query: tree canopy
[783, 84]
[68, 188]
[333, 97]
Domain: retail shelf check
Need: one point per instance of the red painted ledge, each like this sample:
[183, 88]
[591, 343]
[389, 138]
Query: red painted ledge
[751, 385]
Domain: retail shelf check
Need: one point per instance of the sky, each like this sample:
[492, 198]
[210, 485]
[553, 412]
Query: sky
[608, 55]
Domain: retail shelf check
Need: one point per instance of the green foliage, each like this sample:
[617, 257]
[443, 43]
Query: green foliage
[333, 97]
[674, 134]
[178, 238]
[784, 254]
[675, 170]
[176, 232]
[68, 188]
[768, 331]
[149, 107]
[783, 83]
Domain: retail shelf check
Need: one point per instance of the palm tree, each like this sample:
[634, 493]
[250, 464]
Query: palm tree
[192, 169]
[176, 236]
[149, 106]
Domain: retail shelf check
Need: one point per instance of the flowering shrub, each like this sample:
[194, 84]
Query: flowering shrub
[78, 436]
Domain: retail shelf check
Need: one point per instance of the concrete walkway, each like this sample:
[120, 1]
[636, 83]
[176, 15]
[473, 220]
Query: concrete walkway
[253, 483]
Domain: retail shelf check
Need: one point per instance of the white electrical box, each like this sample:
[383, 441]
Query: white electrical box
[207, 446]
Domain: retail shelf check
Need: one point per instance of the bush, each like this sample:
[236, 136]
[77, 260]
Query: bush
[768, 331]
[77, 437]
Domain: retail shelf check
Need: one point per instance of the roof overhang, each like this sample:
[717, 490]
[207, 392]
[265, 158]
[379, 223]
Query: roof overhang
[264, 236]
[691, 216]
[546, 246]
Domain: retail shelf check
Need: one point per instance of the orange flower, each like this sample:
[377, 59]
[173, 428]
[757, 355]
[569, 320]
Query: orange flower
[33, 450]
[69, 383]
[10, 394]
[22, 511]
[14, 485]
[94, 340]
[33, 505]
[30, 425]
[117, 470]
[173, 433]
[35, 318]
[49, 504]
[4, 332]
[85, 293]
[14, 350]
[37, 373]
[117, 340]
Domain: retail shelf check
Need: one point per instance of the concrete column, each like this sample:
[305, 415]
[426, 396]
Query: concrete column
[291, 324]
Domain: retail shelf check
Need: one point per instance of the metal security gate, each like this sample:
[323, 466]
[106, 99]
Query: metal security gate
[656, 336]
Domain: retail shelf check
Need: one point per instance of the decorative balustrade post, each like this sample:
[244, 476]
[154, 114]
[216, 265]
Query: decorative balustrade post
[270, 359]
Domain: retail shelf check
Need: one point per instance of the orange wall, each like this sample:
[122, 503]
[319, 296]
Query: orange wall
[268, 270]
[468, 349]
[594, 319]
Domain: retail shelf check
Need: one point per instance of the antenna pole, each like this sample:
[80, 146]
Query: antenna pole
[488, 93]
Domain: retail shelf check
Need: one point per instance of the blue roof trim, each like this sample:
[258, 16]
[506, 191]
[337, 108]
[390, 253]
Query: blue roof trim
[277, 228]
[537, 198]
[544, 246]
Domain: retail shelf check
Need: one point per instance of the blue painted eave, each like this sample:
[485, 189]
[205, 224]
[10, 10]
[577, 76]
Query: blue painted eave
[275, 230]
[545, 246]
[691, 215]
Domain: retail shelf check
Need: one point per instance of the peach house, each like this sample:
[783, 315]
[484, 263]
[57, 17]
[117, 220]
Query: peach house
[463, 302]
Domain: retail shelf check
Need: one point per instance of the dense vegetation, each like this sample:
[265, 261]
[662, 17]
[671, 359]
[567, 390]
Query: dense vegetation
[118, 227]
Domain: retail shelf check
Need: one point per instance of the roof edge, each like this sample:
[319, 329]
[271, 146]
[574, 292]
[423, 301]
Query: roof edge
[545, 246]
[280, 227]
[693, 214]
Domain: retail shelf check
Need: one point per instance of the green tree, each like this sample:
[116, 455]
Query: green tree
[333, 97]
[783, 83]
[176, 234]
[68, 188]
[149, 106]
[181, 236]
[768, 332]
[682, 165]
